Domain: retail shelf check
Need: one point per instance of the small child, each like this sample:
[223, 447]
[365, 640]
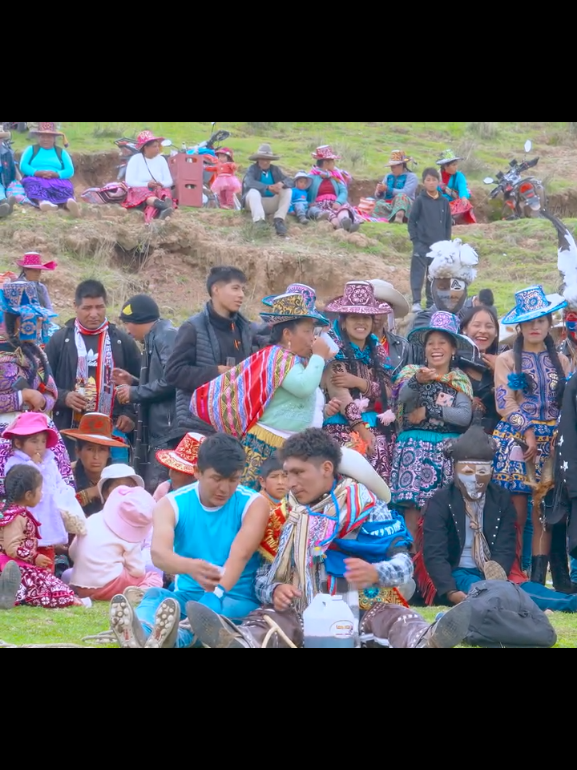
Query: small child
[181, 463]
[430, 221]
[32, 444]
[109, 559]
[226, 185]
[32, 269]
[300, 198]
[26, 572]
[274, 488]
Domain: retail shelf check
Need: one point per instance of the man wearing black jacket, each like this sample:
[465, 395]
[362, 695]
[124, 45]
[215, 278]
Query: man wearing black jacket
[430, 221]
[82, 357]
[209, 343]
[470, 533]
[156, 427]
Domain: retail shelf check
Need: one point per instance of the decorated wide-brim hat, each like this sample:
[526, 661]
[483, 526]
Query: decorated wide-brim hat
[264, 152]
[292, 307]
[325, 152]
[508, 331]
[447, 157]
[304, 175]
[358, 299]
[185, 457]
[49, 129]
[145, 137]
[21, 298]
[386, 292]
[398, 158]
[309, 294]
[33, 261]
[448, 324]
[533, 303]
[95, 428]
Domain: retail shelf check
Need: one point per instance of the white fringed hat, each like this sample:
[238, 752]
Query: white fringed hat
[357, 467]
[453, 259]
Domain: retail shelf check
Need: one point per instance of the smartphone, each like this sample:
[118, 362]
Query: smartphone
[20, 384]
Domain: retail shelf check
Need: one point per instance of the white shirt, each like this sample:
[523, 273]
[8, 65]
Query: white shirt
[140, 171]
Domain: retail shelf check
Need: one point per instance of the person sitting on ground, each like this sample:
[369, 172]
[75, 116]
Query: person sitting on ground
[94, 442]
[27, 573]
[396, 347]
[340, 538]
[32, 269]
[430, 222]
[7, 176]
[329, 195]
[470, 530]
[455, 189]
[267, 189]
[156, 399]
[47, 170]
[226, 184]
[274, 489]
[300, 199]
[109, 558]
[207, 534]
[149, 179]
[209, 343]
[398, 190]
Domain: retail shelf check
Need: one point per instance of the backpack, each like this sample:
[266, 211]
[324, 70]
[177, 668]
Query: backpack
[36, 149]
[7, 165]
[504, 616]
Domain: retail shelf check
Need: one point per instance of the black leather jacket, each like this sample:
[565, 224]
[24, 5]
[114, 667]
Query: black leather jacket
[156, 399]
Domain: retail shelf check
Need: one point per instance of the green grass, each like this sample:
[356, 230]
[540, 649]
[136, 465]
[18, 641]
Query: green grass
[24, 625]
[365, 147]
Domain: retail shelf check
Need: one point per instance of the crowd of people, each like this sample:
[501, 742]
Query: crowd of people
[210, 481]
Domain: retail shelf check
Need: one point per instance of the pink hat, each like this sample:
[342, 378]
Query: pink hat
[144, 137]
[30, 423]
[128, 513]
[325, 152]
[33, 260]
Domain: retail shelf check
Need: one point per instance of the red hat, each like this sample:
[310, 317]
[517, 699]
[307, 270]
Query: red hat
[184, 458]
[144, 137]
[225, 151]
[325, 152]
[33, 261]
[30, 423]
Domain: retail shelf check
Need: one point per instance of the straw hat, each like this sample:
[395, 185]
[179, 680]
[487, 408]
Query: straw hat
[264, 152]
[386, 292]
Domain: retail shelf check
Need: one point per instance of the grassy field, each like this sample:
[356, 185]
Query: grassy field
[30, 626]
[365, 147]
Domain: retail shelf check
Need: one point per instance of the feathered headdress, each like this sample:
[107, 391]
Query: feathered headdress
[453, 259]
[566, 261]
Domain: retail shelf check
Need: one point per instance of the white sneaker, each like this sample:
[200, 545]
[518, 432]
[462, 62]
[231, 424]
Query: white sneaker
[47, 206]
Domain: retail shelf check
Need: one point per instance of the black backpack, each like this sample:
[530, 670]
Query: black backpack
[504, 616]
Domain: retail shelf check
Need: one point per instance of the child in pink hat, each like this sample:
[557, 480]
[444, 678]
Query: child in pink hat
[33, 267]
[32, 444]
[109, 558]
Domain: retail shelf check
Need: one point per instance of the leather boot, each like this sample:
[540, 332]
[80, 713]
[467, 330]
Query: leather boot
[256, 632]
[401, 628]
[539, 566]
[560, 561]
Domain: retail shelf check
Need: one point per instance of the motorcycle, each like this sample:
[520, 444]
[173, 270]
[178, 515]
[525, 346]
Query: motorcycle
[524, 196]
[22, 128]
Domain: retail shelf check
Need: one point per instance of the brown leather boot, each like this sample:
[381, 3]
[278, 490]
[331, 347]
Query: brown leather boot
[393, 624]
[263, 628]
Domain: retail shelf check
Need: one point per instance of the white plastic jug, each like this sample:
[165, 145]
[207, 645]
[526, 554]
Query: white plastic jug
[329, 623]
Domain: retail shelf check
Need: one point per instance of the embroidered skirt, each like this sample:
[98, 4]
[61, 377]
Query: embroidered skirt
[259, 444]
[390, 209]
[56, 191]
[327, 205]
[40, 588]
[383, 457]
[511, 472]
[419, 467]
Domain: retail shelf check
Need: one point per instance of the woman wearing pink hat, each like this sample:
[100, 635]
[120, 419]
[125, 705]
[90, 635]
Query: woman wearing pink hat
[32, 269]
[149, 179]
[109, 559]
[329, 195]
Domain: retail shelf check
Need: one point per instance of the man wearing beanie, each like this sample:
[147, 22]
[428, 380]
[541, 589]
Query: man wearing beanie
[156, 399]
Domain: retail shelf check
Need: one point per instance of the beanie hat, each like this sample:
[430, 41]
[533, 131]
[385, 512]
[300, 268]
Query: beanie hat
[139, 310]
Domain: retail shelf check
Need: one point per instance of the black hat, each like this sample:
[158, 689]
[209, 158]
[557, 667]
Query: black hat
[141, 309]
[473, 446]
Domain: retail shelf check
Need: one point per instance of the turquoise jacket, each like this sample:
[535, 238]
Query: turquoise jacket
[46, 160]
[340, 190]
[458, 182]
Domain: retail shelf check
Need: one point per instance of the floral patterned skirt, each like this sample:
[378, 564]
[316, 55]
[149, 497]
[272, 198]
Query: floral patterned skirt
[420, 467]
[40, 588]
[510, 469]
[259, 444]
[390, 209]
[383, 457]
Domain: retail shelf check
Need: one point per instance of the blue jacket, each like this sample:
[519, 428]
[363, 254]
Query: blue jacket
[340, 190]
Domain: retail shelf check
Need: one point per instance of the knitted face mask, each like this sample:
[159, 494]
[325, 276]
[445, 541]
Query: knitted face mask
[449, 294]
[473, 478]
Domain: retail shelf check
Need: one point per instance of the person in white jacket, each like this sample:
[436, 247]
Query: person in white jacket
[149, 179]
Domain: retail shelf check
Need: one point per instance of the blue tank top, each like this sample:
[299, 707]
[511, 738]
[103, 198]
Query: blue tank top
[208, 534]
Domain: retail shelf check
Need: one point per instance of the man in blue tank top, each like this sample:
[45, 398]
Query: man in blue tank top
[208, 535]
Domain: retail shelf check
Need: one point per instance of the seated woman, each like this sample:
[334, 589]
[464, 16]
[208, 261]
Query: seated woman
[397, 192]
[435, 404]
[149, 179]
[358, 378]
[481, 325]
[273, 394]
[328, 194]
[455, 189]
[47, 170]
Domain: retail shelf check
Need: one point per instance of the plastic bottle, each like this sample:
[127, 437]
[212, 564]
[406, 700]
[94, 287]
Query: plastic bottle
[329, 623]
